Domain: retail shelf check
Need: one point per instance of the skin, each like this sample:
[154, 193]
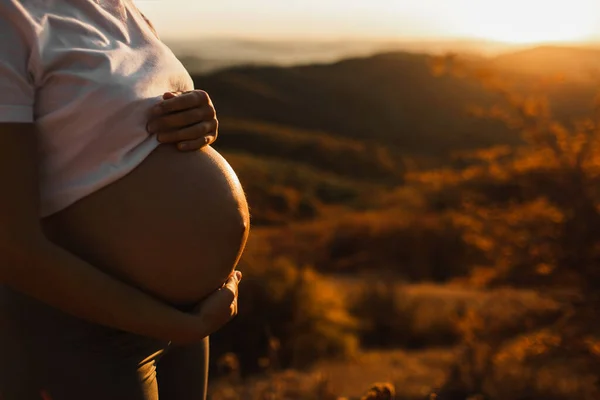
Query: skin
[100, 286]
[187, 119]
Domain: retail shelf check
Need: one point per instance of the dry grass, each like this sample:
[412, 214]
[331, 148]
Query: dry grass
[430, 309]
[413, 374]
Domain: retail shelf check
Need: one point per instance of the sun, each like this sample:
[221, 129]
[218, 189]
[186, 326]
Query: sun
[532, 21]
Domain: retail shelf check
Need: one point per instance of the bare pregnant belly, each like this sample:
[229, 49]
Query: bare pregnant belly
[175, 226]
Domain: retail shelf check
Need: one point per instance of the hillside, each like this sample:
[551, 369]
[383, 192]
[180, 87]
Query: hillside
[575, 63]
[392, 99]
[373, 181]
[360, 122]
[202, 56]
[389, 99]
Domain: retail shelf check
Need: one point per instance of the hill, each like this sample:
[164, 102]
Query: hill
[205, 55]
[573, 63]
[391, 99]
[313, 144]
[359, 122]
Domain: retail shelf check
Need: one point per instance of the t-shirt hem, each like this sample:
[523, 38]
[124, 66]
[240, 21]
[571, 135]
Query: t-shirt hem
[60, 201]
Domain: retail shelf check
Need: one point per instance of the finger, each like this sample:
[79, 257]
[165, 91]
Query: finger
[170, 95]
[234, 308]
[193, 145]
[226, 296]
[192, 132]
[196, 144]
[234, 274]
[232, 286]
[187, 100]
[228, 293]
[180, 119]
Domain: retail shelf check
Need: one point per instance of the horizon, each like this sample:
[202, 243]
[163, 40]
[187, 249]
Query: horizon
[509, 23]
[206, 55]
[424, 43]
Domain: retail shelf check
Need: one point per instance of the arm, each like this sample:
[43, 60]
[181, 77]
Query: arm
[31, 264]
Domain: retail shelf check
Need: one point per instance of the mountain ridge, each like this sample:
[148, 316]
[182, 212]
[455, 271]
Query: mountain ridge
[320, 134]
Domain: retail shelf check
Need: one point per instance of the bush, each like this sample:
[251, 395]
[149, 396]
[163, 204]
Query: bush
[414, 246]
[543, 234]
[288, 316]
[418, 247]
[505, 352]
[392, 317]
[383, 313]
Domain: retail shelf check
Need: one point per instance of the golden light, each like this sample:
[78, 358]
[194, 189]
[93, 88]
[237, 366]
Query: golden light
[515, 21]
[531, 21]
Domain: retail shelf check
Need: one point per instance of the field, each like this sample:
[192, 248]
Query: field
[433, 225]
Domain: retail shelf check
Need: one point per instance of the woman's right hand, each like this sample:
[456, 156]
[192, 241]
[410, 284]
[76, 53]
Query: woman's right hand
[217, 309]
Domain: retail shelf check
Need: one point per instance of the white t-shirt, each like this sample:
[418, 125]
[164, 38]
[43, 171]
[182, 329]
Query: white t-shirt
[87, 73]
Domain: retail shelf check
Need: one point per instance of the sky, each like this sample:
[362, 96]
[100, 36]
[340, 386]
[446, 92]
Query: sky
[511, 21]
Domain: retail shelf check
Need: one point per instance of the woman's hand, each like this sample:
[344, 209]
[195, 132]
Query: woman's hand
[186, 118]
[217, 309]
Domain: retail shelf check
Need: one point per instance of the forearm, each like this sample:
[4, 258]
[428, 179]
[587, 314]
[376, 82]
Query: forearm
[58, 278]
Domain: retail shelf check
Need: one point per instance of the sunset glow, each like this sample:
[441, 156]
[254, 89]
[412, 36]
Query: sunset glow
[513, 21]
[532, 21]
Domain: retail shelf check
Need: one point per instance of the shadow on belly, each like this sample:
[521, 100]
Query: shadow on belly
[175, 226]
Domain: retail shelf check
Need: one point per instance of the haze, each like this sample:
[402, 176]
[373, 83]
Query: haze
[510, 21]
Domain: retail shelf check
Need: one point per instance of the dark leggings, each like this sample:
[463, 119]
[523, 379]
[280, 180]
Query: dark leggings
[46, 354]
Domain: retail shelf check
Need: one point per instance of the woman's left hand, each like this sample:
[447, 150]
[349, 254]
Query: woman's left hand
[186, 118]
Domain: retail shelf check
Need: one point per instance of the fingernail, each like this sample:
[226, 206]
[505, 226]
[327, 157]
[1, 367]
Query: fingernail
[161, 138]
[238, 275]
[182, 146]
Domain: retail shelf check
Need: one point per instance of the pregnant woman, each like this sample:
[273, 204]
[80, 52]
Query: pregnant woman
[117, 253]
